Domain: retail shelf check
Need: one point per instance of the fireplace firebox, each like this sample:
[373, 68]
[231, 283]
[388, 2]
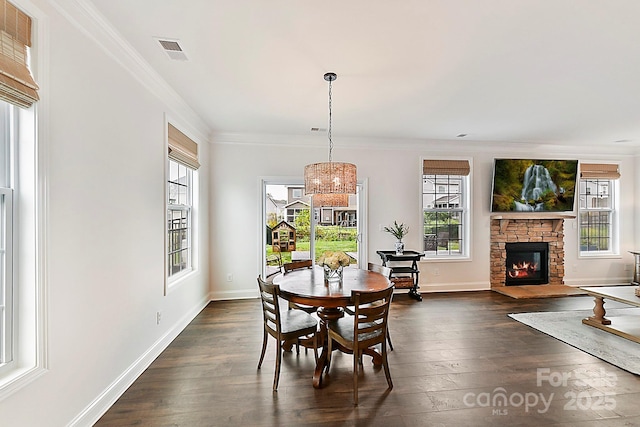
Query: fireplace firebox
[527, 263]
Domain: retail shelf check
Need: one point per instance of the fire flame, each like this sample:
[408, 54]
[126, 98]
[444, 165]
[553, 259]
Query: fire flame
[522, 270]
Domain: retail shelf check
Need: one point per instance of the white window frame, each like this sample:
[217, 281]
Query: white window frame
[6, 278]
[465, 215]
[8, 145]
[30, 224]
[613, 213]
[26, 353]
[188, 211]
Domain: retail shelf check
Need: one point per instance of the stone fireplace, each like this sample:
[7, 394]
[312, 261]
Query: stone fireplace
[527, 228]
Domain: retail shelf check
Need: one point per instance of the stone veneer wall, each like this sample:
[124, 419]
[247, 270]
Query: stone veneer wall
[527, 230]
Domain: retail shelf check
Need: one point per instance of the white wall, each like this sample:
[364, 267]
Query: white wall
[394, 193]
[105, 237]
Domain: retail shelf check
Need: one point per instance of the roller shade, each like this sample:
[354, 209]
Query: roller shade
[599, 170]
[446, 167]
[17, 85]
[182, 148]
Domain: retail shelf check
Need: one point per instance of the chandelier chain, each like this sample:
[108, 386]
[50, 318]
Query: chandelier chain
[329, 133]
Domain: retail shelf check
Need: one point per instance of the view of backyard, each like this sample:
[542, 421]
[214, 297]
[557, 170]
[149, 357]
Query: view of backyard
[335, 237]
[328, 238]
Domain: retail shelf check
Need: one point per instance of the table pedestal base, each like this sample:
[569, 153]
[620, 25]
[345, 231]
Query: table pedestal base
[598, 314]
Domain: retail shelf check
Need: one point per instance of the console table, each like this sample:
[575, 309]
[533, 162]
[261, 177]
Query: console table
[624, 326]
[636, 268]
[402, 271]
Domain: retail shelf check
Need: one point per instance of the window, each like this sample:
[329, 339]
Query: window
[597, 209]
[179, 218]
[342, 232]
[182, 162]
[296, 193]
[445, 208]
[22, 307]
[23, 197]
[6, 232]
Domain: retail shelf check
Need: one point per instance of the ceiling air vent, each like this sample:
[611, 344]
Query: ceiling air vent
[173, 49]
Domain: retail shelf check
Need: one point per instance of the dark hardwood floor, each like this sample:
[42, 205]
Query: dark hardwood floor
[453, 351]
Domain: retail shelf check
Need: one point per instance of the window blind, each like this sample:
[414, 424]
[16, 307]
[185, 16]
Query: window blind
[599, 170]
[17, 85]
[182, 148]
[446, 167]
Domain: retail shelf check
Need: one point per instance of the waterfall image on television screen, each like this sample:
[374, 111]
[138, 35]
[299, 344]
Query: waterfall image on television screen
[533, 185]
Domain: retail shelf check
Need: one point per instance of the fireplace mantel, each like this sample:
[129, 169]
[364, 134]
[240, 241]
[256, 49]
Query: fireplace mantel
[557, 218]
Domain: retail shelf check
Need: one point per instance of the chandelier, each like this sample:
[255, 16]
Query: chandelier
[330, 200]
[331, 181]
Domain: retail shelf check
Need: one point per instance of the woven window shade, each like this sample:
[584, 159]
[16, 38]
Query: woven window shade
[17, 85]
[182, 148]
[599, 170]
[446, 167]
[330, 178]
[330, 200]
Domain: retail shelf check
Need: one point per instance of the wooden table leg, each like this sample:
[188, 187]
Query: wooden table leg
[325, 315]
[598, 313]
[375, 356]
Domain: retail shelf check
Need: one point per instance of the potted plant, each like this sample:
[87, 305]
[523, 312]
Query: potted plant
[398, 231]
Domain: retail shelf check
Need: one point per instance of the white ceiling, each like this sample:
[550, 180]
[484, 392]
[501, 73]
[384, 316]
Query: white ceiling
[541, 71]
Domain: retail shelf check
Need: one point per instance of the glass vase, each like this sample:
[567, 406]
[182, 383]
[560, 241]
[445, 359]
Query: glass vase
[331, 275]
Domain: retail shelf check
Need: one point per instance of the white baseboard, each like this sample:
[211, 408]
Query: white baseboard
[597, 281]
[101, 404]
[236, 294]
[454, 287]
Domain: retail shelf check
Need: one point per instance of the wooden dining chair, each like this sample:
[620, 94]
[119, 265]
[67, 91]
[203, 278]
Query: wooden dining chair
[386, 272]
[365, 329]
[283, 325]
[299, 265]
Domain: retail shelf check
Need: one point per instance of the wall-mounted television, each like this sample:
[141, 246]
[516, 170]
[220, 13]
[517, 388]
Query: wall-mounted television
[521, 185]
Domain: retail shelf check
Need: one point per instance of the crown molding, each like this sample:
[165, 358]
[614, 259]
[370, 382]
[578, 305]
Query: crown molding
[604, 151]
[84, 15]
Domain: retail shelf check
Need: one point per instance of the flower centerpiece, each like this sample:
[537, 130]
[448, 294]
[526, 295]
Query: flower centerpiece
[398, 231]
[333, 262]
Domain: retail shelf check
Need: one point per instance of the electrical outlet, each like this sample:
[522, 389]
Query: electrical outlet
[229, 277]
[158, 317]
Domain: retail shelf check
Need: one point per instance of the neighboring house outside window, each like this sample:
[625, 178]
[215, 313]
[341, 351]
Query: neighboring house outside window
[597, 210]
[294, 210]
[445, 202]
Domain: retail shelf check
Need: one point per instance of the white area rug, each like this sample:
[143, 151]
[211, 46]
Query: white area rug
[567, 326]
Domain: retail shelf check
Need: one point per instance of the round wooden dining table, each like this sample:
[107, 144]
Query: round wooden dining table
[307, 286]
